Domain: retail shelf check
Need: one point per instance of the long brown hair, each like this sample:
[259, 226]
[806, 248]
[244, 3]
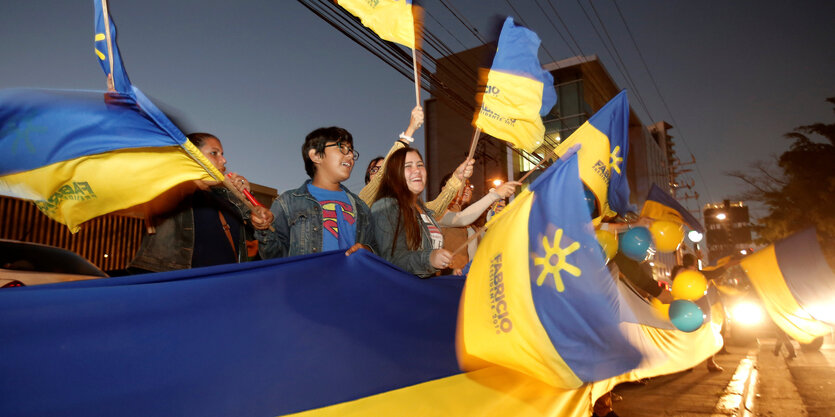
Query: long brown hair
[394, 185]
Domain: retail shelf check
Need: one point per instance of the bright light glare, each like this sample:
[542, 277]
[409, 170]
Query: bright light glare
[743, 252]
[721, 216]
[747, 313]
[497, 183]
[695, 236]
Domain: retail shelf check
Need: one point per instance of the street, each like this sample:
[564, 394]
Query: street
[755, 382]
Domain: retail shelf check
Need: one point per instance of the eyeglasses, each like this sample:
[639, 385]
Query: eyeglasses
[345, 149]
[375, 169]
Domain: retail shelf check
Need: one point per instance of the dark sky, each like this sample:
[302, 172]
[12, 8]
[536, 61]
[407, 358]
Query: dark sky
[736, 75]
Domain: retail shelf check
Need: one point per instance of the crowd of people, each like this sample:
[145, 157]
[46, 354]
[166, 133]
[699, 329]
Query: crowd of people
[198, 225]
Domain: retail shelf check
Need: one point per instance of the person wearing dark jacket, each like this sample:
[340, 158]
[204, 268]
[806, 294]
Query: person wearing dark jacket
[199, 225]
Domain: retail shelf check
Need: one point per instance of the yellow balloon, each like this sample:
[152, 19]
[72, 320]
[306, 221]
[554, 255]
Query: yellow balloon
[661, 310]
[609, 242]
[666, 235]
[689, 285]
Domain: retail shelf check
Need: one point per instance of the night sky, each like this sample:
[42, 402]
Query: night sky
[262, 74]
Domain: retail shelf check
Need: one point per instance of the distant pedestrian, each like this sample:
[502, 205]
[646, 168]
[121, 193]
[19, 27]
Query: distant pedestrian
[784, 339]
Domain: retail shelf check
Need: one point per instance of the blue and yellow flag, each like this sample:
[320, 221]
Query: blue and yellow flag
[660, 205]
[604, 140]
[82, 154]
[107, 51]
[795, 285]
[539, 298]
[391, 20]
[518, 92]
[79, 155]
[276, 337]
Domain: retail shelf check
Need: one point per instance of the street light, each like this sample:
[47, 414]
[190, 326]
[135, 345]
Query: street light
[695, 236]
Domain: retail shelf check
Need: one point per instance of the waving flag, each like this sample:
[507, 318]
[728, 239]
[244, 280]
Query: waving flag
[391, 20]
[539, 298]
[662, 206]
[518, 91]
[795, 284]
[604, 140]
[82, 154]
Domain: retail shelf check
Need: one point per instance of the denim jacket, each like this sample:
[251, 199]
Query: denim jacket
[172, 245]
[385, 213]
[298, 225]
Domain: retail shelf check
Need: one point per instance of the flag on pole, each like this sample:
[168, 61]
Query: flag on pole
[518, 92]
[539, 298]
[795, 285]
[660, 205]
[81, 154]
[107, 51]
[604, 140]
[391, 20]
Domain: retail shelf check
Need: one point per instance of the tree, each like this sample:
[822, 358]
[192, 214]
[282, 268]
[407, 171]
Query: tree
[798, 187]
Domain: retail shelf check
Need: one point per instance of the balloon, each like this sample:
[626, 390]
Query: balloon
[686, 315]
[635, 242]
[689, 285]
[666, 235]
[591, 200]
[609, 242]
[661, 310]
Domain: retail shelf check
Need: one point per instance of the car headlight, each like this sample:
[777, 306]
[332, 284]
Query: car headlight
[747, 313]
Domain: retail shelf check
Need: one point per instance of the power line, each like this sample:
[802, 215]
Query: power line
[661, 96]
[553, 25]
[621, 66]
[526, 24]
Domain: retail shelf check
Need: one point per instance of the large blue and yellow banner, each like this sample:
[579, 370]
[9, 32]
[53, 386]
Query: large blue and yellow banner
[795, 284]
[82, 154]
[391, 20]
[660, 205]
[517, 92]
[539, 298]
[319, 335]
[604, 145]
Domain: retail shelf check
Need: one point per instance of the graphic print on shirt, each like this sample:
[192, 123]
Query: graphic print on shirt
[329, 215]
[434, 233]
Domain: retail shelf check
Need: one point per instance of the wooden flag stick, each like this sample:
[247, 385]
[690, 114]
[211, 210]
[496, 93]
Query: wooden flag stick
[474, 143]
[533, 169]
[478, 232]
[417, 80]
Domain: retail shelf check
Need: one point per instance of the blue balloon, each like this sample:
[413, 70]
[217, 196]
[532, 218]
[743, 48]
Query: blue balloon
[686, 315]
[635, 243]
[591, 200]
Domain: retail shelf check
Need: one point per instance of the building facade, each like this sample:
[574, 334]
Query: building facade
[728, 229]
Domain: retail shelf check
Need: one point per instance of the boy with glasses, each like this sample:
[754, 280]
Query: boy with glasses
[321, 215]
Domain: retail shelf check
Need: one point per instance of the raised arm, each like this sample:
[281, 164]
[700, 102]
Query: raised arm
[451, 188]
[369, 192]
[471, 213]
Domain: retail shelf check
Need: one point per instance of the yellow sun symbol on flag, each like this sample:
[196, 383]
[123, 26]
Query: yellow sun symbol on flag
[554, 261]
[99, 37]
[615, 160]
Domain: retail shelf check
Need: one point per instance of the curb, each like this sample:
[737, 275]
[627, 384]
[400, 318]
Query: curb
[738, 396]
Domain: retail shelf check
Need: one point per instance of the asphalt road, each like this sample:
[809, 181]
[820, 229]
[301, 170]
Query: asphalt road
[754, 383]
